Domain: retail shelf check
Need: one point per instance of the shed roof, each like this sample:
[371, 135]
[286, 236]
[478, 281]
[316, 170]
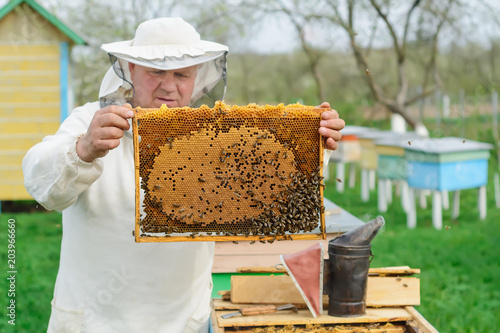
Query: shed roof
[48, 16]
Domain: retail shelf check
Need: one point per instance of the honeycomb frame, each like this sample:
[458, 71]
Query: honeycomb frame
[262, 164]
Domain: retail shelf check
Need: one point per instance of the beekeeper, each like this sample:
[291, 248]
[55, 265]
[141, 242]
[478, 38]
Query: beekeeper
[107, 282]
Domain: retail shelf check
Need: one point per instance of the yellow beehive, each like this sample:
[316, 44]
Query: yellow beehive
[34, 94]
[228, 173]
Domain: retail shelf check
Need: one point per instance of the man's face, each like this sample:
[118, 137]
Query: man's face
[154, 87]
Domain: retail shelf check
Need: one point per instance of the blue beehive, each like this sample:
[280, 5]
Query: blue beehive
[447, 164]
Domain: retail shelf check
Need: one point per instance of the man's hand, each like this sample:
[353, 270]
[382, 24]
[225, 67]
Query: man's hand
[105, 131]
[330, 127]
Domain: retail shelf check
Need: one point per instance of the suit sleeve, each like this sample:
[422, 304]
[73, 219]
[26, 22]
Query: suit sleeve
[54, 175]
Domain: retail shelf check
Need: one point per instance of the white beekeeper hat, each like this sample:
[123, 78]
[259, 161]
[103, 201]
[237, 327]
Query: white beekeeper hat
[165, 44]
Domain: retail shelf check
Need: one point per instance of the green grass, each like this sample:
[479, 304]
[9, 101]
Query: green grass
[38, 238]
[460, 288]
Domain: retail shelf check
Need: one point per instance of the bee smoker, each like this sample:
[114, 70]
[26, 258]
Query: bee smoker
[348, 264]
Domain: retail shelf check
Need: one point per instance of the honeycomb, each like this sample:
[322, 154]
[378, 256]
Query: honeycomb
[228, 173]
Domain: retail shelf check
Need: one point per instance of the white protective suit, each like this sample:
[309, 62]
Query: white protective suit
[106, 281]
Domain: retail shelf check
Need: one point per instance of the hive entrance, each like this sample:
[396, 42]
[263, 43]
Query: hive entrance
[228, 173]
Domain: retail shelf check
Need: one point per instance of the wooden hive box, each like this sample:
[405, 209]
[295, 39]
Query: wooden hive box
[391, 160]
[447, 164]
[34, 66]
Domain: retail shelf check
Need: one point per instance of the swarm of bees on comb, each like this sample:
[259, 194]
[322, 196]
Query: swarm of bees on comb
[228, 173]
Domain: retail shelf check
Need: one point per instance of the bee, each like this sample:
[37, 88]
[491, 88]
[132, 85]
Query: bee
[447, 227]
[202, 215]
[235, 242]
[409, 143]
[339, 180]
[181, 210]
[201, 179]
[220, 204]
[272, 130]
[262, 136]
[234, 145]
[157, 187]
[405, 285]
[252, 242]
[176, 205]
[222, 159]
[367, 72]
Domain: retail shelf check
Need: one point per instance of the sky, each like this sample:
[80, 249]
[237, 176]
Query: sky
[279, 36]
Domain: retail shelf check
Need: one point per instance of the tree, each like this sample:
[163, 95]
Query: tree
[399, 23]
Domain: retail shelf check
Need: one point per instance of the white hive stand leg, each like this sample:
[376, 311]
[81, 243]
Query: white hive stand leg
[456, 205]
[365, 191]
[352, 175]
[482, 202]
[372, 177]
[388, 191]
[340, 174]
[437, 210]
[405, 199]
[446, 200]
[382, 202]
[411, 214]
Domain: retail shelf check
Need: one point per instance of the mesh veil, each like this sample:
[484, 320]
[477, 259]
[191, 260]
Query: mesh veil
[210, 84]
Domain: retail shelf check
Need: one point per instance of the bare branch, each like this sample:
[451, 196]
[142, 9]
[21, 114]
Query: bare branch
[407, 23]
[426, 93]
[431, 66]
[395, 41]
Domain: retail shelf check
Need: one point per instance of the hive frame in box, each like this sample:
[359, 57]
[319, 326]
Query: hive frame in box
[204, 127]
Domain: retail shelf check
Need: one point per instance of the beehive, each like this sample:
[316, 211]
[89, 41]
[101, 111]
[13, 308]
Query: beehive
[228, 173]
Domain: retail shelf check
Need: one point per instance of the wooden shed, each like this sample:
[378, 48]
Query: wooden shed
[34, 85]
